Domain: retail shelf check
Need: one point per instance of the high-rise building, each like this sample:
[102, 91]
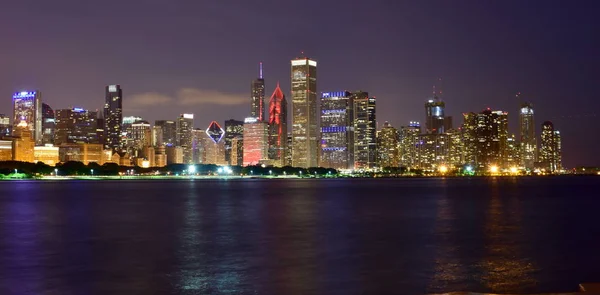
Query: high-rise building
[527, 138]
[409, 141]
[113, 117]
[433, 151]
[337, 130]
[288, 155]
[257, 109]
[199, 141]
[185, 125]
[255, 141]
[141, 135]
[233, 129]
[491, 133]
[365, 128]
[305, 130]
[100, 124]
[550, 151]
[169, 131]
[23, 143]
[513, 152]
[174, 155]
[387, 146]
[27, 106]
[5, 128]
[214, 146]
[75, 125]
[48, 124]
[434, 115]
[456, 148]
[237, 151]
[469, 139]
[277, 127]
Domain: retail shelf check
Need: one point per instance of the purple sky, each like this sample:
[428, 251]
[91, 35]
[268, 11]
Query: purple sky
[200, 56]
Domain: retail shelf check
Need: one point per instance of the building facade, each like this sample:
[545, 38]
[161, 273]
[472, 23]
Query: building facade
[434, 115]
[169, 131]
[113, 117]
[305, 130]
[48, 124]
[185, 125]
[387, 147]
[27, 106]
[337, 130]
[550, 148]
[409, 142]
[527, 136]
[365, 129]
[233, 129]
[5, 127]
[255, 141]
[277, 127]
[75, 125]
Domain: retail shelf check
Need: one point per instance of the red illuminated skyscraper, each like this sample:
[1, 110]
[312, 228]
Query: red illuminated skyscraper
[277, 127]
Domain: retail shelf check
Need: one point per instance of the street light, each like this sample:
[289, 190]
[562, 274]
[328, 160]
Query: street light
[270, 172]
[55, 172]
[92, 172]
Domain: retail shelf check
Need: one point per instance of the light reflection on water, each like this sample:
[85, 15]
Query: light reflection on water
[354, 236]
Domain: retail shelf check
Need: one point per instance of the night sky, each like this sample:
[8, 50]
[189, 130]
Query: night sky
[200, 56]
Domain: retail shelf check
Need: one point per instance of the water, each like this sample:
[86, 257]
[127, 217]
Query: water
[348, 236]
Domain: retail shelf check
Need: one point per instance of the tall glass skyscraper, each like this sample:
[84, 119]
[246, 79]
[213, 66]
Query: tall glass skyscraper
[337, 130]
[305, 130]
[527, 132]
[185, 125]
[277, 127]
[387, 146]
[365, 130]
[113, 117]
[257, 109]
[48, 124]
[550, 152]
[233, 129]
[434, 116]
[168, 128]
[27, 106]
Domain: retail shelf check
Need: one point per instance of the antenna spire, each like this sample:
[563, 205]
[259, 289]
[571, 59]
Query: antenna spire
[260, 72]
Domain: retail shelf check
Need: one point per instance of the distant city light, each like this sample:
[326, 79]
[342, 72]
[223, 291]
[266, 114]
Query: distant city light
[443, 169]
[191, 169]
[494, 169]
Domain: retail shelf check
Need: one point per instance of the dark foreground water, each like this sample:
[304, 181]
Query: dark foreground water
[367, 236]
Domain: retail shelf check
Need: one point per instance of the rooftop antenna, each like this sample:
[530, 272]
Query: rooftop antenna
[260, 73]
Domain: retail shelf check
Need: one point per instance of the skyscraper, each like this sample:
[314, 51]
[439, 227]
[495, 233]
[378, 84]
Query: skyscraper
[491, 132]
[527, 132]
[75, 125]
[214, 146]
[255, 141]
[305, 130]
[277, 127]
[337, 130]
[434, 116]
[409, 139]
[387, 146]
[257, 109]
[550, 151]
[169, 131]
[365, 128]
[185, 125]
[113, 116]
[48, 124]
[233, 129]
[27, 106]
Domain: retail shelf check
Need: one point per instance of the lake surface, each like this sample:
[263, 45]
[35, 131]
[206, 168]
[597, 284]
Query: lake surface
[342, 236]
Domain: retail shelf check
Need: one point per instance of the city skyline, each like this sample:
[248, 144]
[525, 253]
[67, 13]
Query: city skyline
[402, 86]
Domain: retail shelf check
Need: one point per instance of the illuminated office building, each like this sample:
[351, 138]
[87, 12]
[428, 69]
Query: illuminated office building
[257, 109]
[199, 141]
[233, 129]
[47, 154]
[157, 136]
[288, 155]
[81, 152]
[48, 124]
[6, 153]
[169, 131]
[214, 146]
[409, 142]
[5, 128]
[434, 115]
[174, 155]
[527, 136]
[75, 125]
[27, 106]
[365, 128]
[550, 148]
[305, 132]
[255, 141]
[141, 135]
[337, 130]
[433, 151]
[113, 117]
[387, 146]
[513, 152]
[185, 125]
[100, 128]
[455, 157]
[23, 143]
[486, 139]
[277, 127]
[237, 151]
